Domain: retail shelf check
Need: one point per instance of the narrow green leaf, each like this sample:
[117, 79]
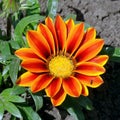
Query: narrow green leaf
[31, 2]
[18, 33]
[1, 110]
[5, 70]
[28, 113]
[8, 95]
[52, 8]
[6, 92]
[14, 98]
[112, 52]
[11, 108]
[108, 50]
[116, 52]
[73, 16]
[17, 90]
[74, 106]
[13, 91]
[13, 69]
[76, 113]
[38, 100]
[115, 59]
[86, 26]
[116, 55]
[33, 7]
[1, 79]
[14, 44]
[5, 49]
[85, 102]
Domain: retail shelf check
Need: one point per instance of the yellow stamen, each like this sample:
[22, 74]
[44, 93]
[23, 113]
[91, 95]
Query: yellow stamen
[61, 66]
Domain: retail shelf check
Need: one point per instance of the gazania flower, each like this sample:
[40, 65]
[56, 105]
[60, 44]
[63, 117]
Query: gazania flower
[62, 59]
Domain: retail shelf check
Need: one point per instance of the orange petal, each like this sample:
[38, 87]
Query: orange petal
[39, 44]
[26, 79]
[59, 97]
[90, 69]
[61, 31]
[74, 38]
[89, 50]
[34, 65]
[85, 91]
[50, 25]
[41, 82]
[70, 25]
[90, 81]
[101, 59]
[48, 36]
[25, 53]
[90, 35]
[54, 87]
[72, 86]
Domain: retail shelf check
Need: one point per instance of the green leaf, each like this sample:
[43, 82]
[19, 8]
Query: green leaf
[52, 8]
[73, 16]
[116, 52]
[14, 44]
[9, 95]
[7, 92]
[13, 69]
[5, 70]
[1, 110]
[5, 50]
[74, 106]
[112, 52]
[17, 90]
[13, 91]
[31, 2]
[33, 7]
[76, 113]
[28, 113]
[38, 100]
[115, 57]
[18, 33]
[14, 98]
[1, 79]
[86, 26]
[85, 102]
[11, 108]
[108, 50]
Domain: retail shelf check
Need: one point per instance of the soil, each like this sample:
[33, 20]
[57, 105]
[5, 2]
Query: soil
[104, 15]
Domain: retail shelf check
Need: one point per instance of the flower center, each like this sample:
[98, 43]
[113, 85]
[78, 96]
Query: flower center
[61, 66]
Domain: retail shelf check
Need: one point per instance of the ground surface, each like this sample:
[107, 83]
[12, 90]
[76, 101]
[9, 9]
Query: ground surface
[104, 15]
